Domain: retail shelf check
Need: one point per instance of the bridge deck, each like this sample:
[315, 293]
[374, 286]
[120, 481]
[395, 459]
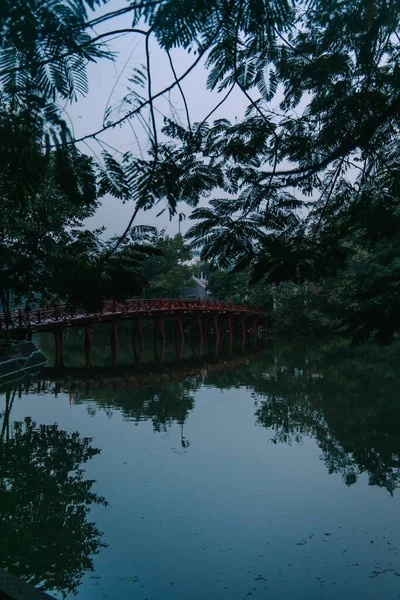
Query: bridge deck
[47, 319]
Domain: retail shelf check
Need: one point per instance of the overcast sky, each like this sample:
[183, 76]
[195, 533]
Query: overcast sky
[108, 83]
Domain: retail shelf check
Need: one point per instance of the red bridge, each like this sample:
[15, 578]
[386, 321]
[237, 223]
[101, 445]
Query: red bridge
[206, 317]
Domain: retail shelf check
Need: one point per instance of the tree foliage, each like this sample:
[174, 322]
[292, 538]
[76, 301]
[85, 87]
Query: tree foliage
[45, 250]
[308, 176]
[228, 286]
[165, 271]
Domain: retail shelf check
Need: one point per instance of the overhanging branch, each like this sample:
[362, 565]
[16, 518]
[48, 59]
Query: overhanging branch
[346, 147]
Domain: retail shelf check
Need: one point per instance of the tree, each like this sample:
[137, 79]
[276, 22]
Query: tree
[40, 227]
[165, 272]
[45, 199]
[228, 286]
[45, 502]
[85, 279]
[313, 149]
[45, 252]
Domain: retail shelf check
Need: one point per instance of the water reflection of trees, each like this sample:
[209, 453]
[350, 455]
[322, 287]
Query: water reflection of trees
[347, 399]
[163, 397]
[46, 537]
[162, 404]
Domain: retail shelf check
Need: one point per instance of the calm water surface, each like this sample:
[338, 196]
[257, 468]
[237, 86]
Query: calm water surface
[268, 476]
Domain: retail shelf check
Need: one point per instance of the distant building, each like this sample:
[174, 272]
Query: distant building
[194, 260]
[197, 287]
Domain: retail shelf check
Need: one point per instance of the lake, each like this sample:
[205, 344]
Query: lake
[266, 475]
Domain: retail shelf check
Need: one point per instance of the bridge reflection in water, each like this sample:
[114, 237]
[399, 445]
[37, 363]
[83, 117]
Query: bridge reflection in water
[203, 322]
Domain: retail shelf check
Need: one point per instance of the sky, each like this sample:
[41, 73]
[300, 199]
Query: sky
[108, 82]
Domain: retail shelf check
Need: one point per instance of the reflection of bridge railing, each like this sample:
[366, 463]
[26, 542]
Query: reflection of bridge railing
[205, 316]
[80, 380]
[43, 319]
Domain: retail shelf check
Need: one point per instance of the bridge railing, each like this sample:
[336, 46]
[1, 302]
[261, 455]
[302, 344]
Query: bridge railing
[30, 319]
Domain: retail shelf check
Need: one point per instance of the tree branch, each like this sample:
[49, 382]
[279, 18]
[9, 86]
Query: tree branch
[120, 12]
[332, 187]
[136, 110]
[349, 145]
[149, 90]
[181, 91]
[142, 105]
[53, 59]
[216, 107]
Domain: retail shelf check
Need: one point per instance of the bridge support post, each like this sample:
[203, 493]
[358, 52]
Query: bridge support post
[179, 339]
[58, 336]
[159, 326]
[192, 336]
[87, 344]
[201, 335]
[197, 324]
[206, 331]
[230, 329]
[217, 334]
[114, 343]
[255, 328]
[243, 329]
[137, 331]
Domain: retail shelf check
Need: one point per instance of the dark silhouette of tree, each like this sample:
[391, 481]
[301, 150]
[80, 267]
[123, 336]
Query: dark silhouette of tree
[46, 537]
[46, 254]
